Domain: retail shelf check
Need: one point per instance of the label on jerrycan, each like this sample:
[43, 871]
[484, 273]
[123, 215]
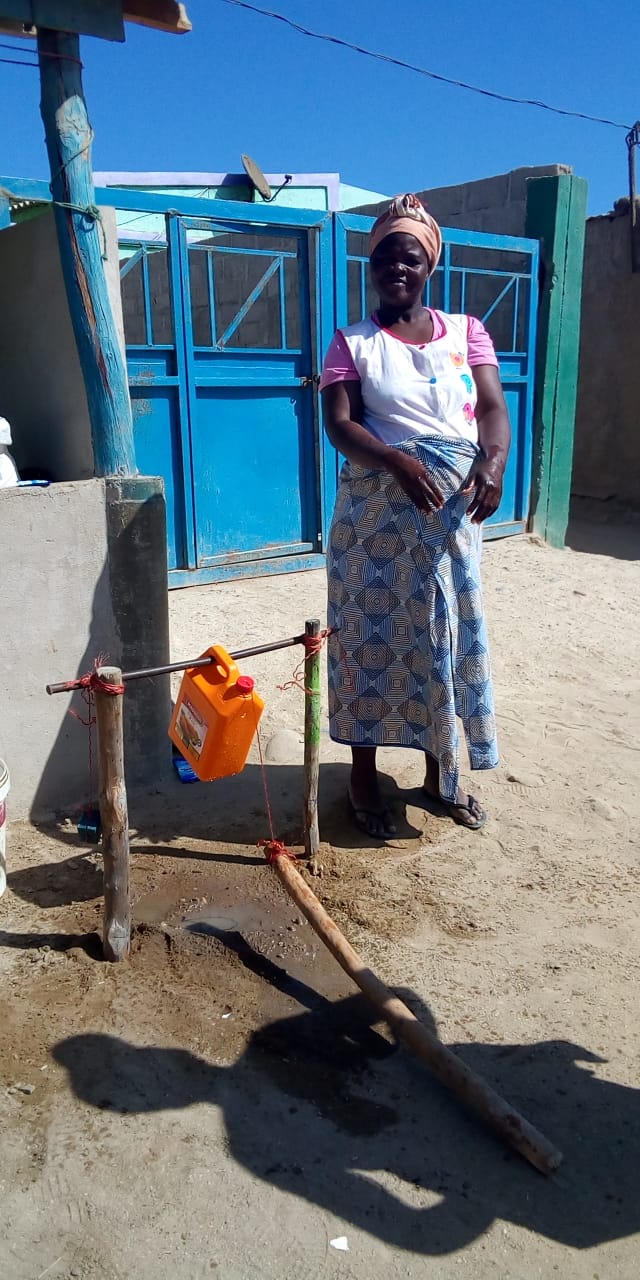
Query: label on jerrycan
[190, 727]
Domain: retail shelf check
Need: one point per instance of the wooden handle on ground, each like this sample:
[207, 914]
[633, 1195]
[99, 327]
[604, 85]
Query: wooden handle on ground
[449, 1069]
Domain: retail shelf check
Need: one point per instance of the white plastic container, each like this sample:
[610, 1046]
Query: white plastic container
[8, 475]
[4, 791]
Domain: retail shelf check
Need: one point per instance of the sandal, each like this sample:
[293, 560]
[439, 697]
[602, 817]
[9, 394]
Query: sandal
[368, 820]
[470, 808]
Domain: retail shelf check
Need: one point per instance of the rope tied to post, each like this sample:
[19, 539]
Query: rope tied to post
[92, 212]
[88, 684]
[275, 849]
[92, 681]
[313, 645]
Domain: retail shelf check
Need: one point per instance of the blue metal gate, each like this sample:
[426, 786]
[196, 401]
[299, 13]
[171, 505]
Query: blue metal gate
[494, 278]
[226, 320]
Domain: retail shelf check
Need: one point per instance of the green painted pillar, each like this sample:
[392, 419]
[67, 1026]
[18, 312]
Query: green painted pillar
[556, 215]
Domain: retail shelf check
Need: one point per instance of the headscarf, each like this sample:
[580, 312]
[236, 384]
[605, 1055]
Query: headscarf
[406, 213]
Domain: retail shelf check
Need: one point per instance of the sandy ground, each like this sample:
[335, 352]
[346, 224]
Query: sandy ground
[222, 1106]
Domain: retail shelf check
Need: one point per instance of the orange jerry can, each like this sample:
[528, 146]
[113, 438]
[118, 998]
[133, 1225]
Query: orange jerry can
[215, 717]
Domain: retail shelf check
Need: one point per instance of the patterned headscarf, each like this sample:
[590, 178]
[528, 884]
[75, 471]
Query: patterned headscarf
[405, 213]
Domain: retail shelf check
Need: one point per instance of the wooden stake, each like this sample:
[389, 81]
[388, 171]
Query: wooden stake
[81, 240]
[449, 1069]
[312, 708]
[116, 925]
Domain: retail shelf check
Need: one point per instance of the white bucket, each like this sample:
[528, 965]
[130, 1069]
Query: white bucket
[4, 791]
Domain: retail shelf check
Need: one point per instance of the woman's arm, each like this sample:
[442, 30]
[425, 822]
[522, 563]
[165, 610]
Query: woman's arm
[494, 437]
[343, 410]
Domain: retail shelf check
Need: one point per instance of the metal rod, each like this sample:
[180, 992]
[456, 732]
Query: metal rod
[148, 672]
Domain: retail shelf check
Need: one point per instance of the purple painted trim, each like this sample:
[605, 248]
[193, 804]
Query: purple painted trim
[170, 179]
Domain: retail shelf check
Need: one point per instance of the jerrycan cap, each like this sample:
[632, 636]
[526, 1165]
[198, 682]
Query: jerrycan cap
[246, 684]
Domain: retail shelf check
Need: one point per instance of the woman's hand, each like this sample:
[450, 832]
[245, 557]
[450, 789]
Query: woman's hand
[485, 483]
[416, 481]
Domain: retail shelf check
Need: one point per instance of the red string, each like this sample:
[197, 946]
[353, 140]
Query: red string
[92, 681]
[274, 848]
[265, 785]
[313, 645]
[87, 684]
[86, 694]
[60, 57]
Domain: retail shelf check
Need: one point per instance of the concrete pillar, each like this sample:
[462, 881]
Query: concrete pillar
[137, 558]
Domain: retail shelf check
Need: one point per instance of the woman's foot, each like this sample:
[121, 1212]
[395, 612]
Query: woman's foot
[367, 807]
[466, 810]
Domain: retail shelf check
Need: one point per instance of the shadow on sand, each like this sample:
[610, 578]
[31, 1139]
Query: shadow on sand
[322, 1106]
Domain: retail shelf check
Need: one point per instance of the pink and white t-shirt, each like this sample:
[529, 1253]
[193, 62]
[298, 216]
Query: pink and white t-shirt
[409, 388]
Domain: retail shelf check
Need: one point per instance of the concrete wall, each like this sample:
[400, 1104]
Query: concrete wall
[607, 439]
[56, 616]
[41, 387]
[83, 574]
[495, 204]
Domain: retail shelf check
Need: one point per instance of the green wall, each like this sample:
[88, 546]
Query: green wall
[556, 214]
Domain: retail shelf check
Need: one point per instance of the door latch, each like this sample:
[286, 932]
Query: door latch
[310, 380]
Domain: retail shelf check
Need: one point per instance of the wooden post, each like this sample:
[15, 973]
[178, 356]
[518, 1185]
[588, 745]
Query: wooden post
[116, 925]
[556, 215]
[312, 707]
[449, 1069]
[633, 141]
[82, 245]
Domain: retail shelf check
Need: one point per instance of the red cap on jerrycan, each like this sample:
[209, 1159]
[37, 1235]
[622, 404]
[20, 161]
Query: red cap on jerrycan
[246, 684]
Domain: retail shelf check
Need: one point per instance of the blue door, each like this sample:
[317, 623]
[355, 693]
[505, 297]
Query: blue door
[225, 319]
[494, 278]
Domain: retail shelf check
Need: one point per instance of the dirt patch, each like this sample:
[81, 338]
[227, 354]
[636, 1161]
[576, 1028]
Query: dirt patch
[223, 1105]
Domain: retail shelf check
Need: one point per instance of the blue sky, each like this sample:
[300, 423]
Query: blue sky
[241, 82]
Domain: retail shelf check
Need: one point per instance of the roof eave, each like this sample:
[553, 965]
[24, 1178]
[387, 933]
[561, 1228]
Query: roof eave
[163, 15]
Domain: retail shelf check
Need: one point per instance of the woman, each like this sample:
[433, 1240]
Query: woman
[412, 399]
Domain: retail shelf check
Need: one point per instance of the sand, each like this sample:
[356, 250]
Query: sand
[221, 1106]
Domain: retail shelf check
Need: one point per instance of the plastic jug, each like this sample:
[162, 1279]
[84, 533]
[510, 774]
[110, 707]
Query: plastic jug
[215, 716]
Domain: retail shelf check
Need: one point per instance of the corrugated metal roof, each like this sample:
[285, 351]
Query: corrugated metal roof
[18, 204]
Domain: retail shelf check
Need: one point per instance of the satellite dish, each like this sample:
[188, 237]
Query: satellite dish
[259, 182]
[256, 177]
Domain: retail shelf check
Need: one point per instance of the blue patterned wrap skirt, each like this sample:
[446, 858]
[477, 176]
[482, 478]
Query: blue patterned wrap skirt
[408, 652]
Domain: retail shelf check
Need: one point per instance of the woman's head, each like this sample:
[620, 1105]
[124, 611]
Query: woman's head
[404, 248]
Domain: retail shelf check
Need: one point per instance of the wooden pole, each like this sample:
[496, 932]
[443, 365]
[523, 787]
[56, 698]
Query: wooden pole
[312, 707]
[449, 1069]
[116, 924]
[81, 240]
[633, 141]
